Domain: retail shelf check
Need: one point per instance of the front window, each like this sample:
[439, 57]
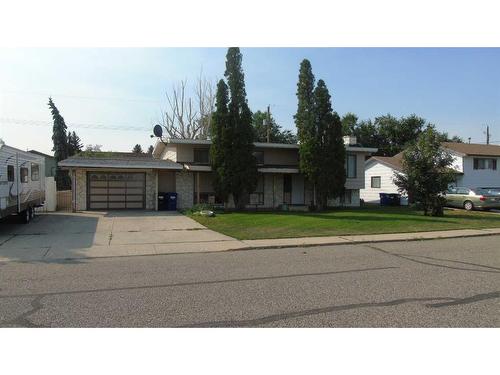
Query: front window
[201, 155]
[35, 172]
[24, 175]
[485, 163]
[351, 166]
[375, 183]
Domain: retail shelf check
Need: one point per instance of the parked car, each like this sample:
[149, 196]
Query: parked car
[471, 199]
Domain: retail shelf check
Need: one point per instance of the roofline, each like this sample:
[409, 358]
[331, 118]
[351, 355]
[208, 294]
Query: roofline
[256, 144]
[41, 154]
[375, 159]
[114, 163]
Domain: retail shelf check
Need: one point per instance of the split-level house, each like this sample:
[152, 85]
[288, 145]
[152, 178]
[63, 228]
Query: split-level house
[475, 165]
[182, 166]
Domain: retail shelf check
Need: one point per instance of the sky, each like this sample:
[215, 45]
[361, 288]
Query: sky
[114, 96]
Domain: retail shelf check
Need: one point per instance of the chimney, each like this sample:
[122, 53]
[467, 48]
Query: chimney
[349, 140]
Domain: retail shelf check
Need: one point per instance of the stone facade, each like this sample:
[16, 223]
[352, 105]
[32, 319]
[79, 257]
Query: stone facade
[81, 189]
[151, 198]
[184, 186]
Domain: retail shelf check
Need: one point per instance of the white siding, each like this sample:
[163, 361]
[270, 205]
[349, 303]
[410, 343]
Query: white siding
[387, 185]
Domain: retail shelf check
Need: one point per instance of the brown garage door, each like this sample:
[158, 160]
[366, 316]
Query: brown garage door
[115, 190]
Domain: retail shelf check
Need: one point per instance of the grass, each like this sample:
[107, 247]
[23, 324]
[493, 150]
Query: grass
[366, 220]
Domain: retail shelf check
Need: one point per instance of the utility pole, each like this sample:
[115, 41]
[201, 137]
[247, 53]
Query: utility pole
[268, 135]
[487, 134]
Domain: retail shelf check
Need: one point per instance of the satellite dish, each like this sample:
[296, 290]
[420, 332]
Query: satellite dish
[158, 131]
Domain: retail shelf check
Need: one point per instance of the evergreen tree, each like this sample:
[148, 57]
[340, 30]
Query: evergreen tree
[221, 147]
[137, 149]
[305, 122]
[242, 168]
[329, 152]
[60, 146]
[74, 144]
[150, 150]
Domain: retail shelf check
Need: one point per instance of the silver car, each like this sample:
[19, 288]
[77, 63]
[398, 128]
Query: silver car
[470, 199]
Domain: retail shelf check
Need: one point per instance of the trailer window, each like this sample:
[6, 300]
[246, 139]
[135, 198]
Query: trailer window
[35, 172]
[10, 173]
[24, 175]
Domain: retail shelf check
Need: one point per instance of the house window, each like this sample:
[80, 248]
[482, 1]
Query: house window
[10, 173]
[35, 172]
[257, 197]
[201, 155]
[351, 166]
[375, 183]
[484, 163]
[259, 156]
[24, 175]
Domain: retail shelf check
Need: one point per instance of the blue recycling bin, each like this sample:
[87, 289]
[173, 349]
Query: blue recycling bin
[390, 199]
[171, 201]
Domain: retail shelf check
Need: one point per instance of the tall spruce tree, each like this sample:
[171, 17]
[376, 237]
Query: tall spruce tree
[242, 165]
[329, 152]
[305, 122]
[221, 147]
[60, 146]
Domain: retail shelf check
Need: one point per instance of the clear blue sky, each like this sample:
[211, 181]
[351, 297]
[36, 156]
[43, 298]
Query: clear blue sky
[456, 89]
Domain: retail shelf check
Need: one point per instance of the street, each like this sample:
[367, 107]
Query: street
[433, 283]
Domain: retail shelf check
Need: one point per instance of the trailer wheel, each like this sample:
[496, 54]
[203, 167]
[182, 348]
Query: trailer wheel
[26, 215]
[32, 213]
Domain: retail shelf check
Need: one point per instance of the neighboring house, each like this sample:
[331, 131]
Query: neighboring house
[123, 180]
[50, 163]
[379, 174]
[475, 166]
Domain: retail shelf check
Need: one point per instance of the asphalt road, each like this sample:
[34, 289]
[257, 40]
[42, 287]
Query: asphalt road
[438, 283]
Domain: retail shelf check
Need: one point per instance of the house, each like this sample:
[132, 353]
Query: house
[50, 163]
[475, 166]
[379, 174]
[123, 180]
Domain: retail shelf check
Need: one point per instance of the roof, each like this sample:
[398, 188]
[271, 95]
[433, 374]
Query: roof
[41, 154]
[256, 144]
[473, 148]
[122, 161]
[394, 162]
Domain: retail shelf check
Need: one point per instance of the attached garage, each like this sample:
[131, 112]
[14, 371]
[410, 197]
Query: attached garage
[111, 190]
[119, 181]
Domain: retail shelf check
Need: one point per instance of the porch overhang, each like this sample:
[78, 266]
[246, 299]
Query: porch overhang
[285, 170]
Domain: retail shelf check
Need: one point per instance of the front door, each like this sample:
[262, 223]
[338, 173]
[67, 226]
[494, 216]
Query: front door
[297, 189]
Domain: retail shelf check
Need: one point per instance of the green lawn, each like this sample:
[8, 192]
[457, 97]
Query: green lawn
[366, 220]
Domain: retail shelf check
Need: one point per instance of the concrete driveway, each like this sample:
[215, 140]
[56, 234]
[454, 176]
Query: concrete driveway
[101, 234]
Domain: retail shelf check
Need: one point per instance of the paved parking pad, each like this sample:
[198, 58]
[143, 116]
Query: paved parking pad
[94, 234]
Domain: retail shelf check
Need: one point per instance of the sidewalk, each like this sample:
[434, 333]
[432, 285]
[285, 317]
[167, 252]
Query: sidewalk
[194, 246]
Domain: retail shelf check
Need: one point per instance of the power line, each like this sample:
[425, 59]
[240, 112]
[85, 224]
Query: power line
[15, 92]
[21, 122]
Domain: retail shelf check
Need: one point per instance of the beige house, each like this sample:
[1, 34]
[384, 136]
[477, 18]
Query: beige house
[124, 180]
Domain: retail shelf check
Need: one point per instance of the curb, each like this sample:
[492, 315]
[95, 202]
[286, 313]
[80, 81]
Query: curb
[249, 247]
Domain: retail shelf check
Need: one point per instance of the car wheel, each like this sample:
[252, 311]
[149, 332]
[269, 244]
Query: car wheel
[468, 205]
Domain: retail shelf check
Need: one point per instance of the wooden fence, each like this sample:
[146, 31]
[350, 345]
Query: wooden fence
[64, 200]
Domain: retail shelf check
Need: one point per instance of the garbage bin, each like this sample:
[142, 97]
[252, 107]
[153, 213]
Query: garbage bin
[171, 201]
[390, 199]
[162, 201]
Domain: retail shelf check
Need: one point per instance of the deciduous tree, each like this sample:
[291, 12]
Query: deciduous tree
[426, 172]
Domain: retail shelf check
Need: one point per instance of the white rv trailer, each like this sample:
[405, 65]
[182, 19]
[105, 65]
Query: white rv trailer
[22, 182]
